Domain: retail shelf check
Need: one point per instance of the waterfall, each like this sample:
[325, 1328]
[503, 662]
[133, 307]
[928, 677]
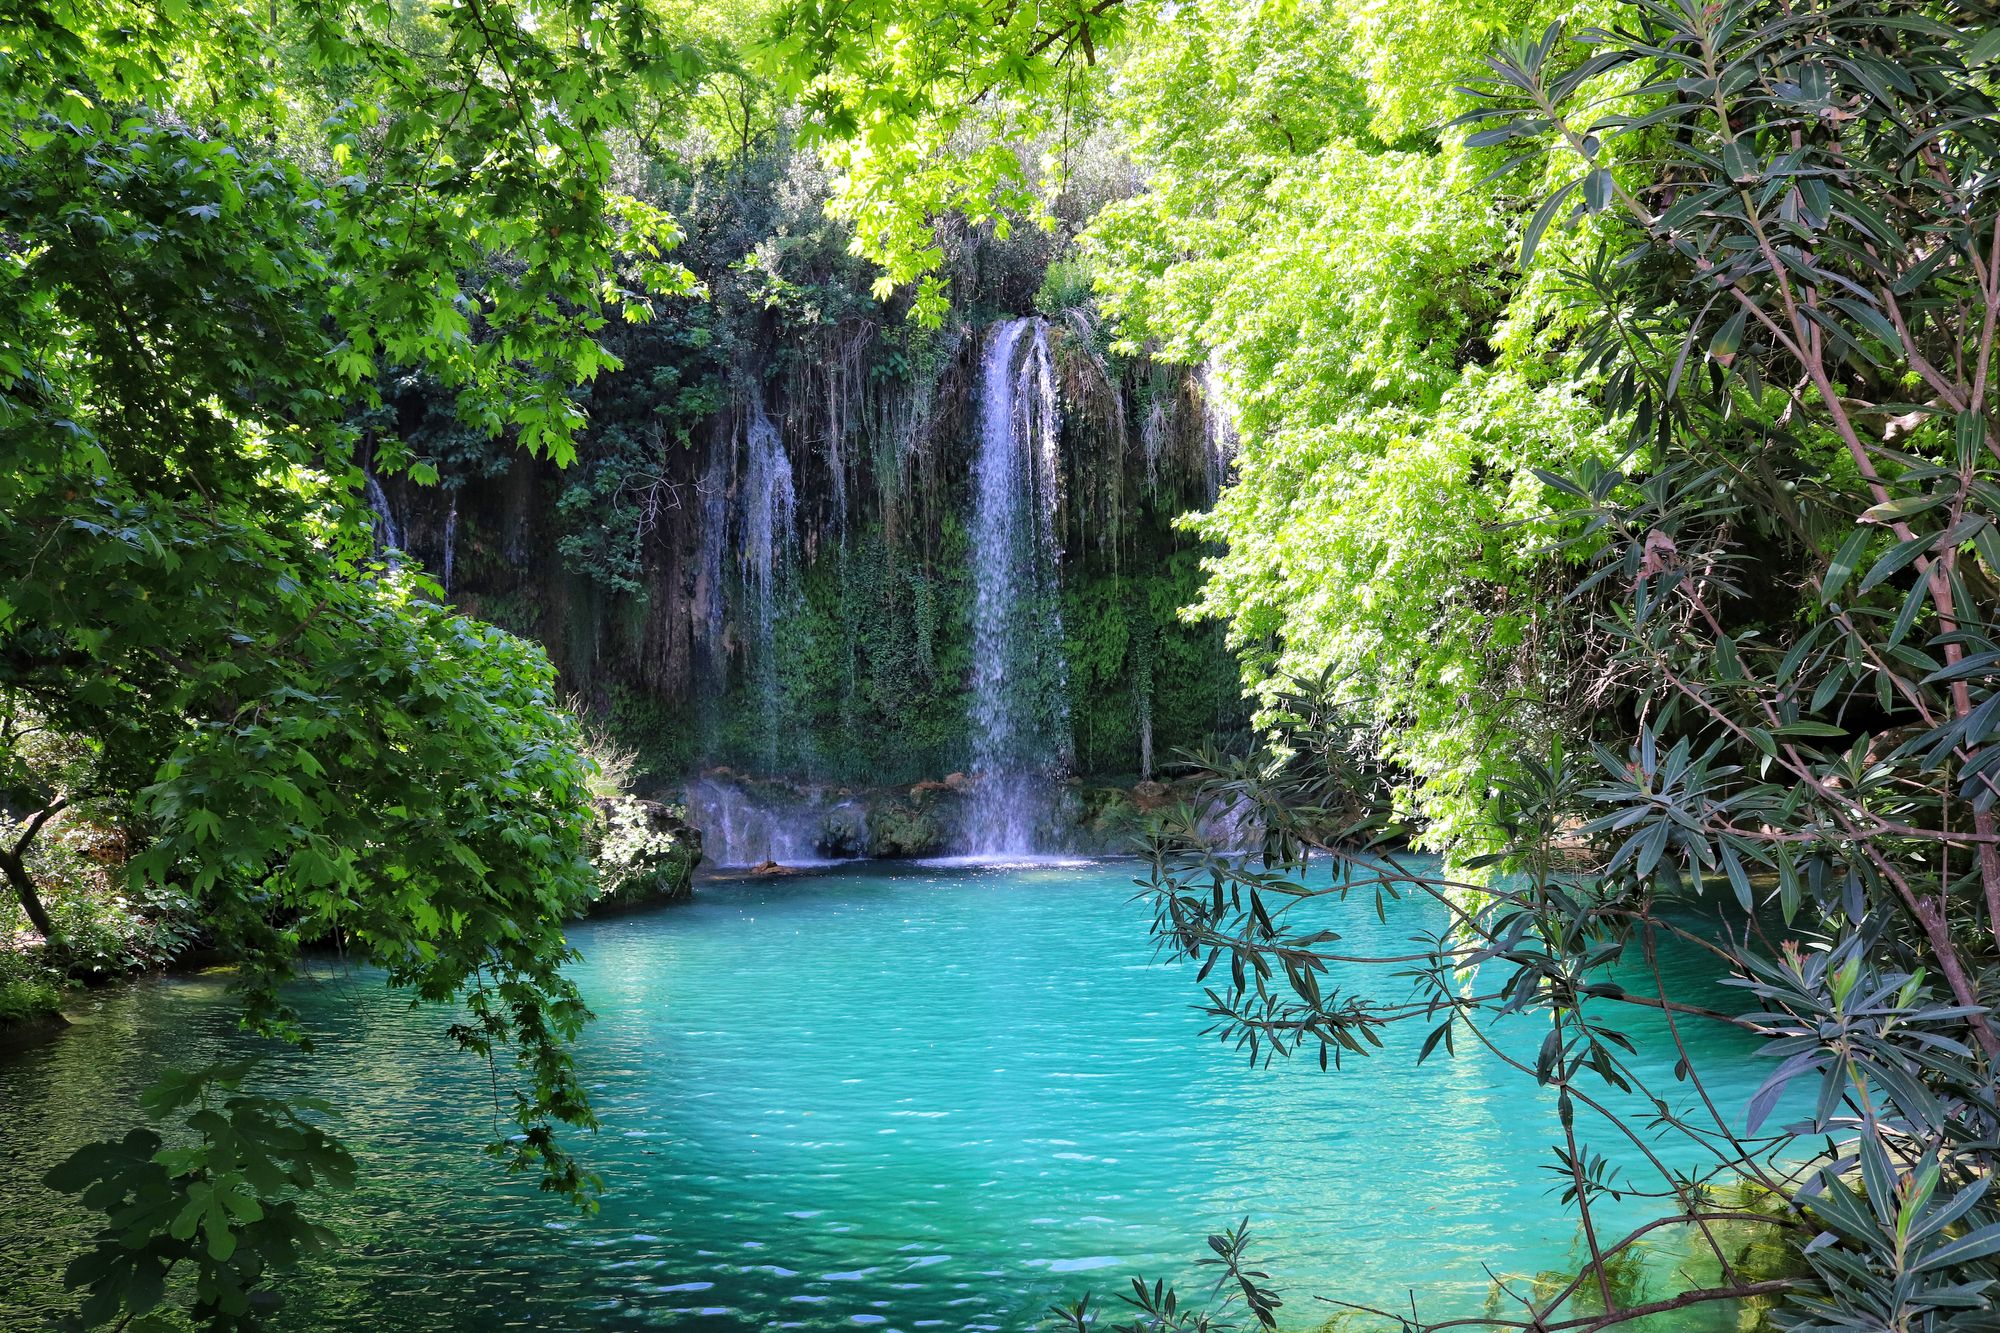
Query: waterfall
[1219, 423]
[741, 826]
[769, 555]
[713, 489]
[450, 539]
[1020, 695]
[386, 535]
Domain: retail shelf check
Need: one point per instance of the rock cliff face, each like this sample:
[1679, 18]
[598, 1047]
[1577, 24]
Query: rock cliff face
[806, 540]
[796, 589]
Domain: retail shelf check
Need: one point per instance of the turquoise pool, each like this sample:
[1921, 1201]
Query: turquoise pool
[897, 1098]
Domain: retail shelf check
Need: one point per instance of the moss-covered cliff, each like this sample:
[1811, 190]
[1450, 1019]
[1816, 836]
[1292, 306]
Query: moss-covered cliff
[760, 559]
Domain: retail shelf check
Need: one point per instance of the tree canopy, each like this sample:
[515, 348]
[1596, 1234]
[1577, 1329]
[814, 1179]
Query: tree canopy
[223, 224]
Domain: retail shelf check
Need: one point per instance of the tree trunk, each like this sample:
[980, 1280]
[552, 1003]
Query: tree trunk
[24, 889]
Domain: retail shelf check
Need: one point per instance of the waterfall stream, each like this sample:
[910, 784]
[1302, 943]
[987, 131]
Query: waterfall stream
[770, 795]
[1218, 422]
[741, 828]
[1020, 697]
[386, 535]
[450, 540]
[769, 554]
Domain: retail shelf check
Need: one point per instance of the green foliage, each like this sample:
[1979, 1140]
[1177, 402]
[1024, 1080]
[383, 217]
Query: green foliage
[1819, 761]
[1835, 764]
[660, 736]
[216, 1209]
[106, 931]
[1370, 346]
[24, 998]
[406, 171]
[640, 852]
[1066, 284]
[919, 108]
[1129, 653]
[612, 500]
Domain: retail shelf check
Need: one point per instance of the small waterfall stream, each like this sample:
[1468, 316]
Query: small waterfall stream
[740, 827]
[450, 540]
[386, 535]
[1020, 696]
[769, 554]
[1218, 423]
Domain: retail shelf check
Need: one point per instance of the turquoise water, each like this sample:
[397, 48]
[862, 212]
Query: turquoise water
[896, 1099]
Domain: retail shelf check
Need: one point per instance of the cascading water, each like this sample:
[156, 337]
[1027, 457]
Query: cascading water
[745, 827]
[769, 555]
[386, 535]
[450, 540]
[1020, 695]
[1219, 423]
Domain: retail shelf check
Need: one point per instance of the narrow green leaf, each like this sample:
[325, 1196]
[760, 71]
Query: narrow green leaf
[1969, 434]
[1598, 190]
[1898, 556]
[1538, 224]
[1843, 565]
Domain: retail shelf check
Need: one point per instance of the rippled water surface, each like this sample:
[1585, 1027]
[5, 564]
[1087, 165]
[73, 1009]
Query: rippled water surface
[921, 1098]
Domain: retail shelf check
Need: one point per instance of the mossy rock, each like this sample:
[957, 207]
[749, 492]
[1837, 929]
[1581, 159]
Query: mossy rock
[843, 832]
[30, 1029]
[897, 829]
[1108, 811]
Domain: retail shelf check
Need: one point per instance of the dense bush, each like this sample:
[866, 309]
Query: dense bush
[28, 995]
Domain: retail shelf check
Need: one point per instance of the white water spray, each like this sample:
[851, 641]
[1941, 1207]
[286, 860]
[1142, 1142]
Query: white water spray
[769, 555]
[1020, 695]
[386, 535]
[1219, 423]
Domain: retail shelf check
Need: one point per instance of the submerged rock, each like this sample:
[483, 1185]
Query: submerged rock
[31, 1029]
